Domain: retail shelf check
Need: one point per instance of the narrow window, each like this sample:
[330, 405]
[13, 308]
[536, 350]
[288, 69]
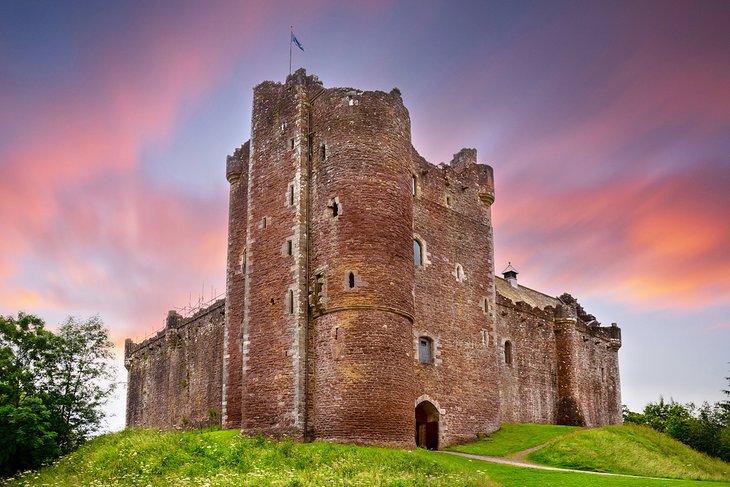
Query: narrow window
[291, 195]
[319, 284]
[337, 332]
[291, 143]
[486, 305]
[448, 201]
[322, 152]
[417, 252]
[508, 352]
[263, 223]
[485, 337]
[291, 302]
[459, 272]
[289, 247]
[413, 185]
[351, 280]
[425, 350]
[335, 208]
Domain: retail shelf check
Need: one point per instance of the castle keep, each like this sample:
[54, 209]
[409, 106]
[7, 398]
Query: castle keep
[362, 303]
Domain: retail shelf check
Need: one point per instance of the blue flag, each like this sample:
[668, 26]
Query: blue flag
[296, 41]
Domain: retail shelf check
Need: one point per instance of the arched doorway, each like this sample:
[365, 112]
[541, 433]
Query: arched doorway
[427, 426]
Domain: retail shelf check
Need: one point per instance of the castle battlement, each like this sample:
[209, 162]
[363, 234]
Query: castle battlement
[361, 298]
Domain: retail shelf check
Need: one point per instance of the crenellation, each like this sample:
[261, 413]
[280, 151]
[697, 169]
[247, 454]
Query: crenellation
[361, 298]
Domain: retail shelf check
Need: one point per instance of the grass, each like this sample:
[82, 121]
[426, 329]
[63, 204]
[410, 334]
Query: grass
[148, 457]
[630, 449]
[512, 438]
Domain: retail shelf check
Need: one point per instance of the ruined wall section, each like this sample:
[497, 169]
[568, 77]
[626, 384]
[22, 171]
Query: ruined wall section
[175, 377]
[274, 300]
[454, 293]
[362, 269]
[528, 377]
[237, 176]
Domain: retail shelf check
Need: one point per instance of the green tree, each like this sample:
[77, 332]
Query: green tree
[52, 387]
[27, 437]
[81, 381]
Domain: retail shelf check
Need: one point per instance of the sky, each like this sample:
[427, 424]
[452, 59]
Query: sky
[607, 125]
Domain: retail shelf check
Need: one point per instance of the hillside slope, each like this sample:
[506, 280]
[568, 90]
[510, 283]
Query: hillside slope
[631, 449]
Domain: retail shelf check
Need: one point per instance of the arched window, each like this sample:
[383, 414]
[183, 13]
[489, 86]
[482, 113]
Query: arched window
[413, 185]
[459, 273]
[508, 352]
[351, 280]
[291, 302]
[417, 252]
[425, 350]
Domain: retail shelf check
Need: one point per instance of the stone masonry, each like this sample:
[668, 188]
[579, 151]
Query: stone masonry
[362, 303]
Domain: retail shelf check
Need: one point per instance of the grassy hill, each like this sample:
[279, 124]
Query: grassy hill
[147, 457]
[631, 449]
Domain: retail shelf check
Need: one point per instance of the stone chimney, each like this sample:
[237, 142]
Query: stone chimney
[510, 275]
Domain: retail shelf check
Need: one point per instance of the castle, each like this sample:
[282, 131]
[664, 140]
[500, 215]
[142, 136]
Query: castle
[362, 303]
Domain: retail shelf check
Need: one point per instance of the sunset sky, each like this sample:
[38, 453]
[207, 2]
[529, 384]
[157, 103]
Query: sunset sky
[607, 124]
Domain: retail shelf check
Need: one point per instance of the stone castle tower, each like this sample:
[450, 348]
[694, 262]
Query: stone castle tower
[361, 298]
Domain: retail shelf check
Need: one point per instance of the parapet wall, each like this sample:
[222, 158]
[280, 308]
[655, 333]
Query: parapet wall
[175, 377]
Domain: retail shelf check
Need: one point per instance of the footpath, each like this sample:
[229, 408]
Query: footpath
[519, 459]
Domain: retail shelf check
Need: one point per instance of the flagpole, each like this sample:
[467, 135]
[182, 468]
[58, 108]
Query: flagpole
[291, 33]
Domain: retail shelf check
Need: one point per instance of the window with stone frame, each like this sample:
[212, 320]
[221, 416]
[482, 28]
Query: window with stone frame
[417, 253]
[425, 350]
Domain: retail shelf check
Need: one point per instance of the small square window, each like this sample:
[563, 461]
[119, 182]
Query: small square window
[425, 350]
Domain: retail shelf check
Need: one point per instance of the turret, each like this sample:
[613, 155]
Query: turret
[237, 176]
[569, 411]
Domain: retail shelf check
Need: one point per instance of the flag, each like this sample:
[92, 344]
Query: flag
[296, 41]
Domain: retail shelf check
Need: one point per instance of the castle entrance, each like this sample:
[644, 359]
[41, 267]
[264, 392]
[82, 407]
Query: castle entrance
[427, 426]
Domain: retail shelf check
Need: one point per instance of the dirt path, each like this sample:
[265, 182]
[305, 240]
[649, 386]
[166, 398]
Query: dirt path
[519, 460]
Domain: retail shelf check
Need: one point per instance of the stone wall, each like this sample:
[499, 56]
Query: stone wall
[563, 367]
[528, 385]
[454, 293]
[175, 377]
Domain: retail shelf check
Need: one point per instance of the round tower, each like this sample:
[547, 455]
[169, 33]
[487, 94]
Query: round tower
[362, 271]
[569, 411]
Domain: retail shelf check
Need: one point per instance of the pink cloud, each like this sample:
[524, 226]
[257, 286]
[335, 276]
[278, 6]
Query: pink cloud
[653, 242]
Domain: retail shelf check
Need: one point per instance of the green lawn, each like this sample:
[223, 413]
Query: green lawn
[147, 457]
[630, 449]
[512, 438]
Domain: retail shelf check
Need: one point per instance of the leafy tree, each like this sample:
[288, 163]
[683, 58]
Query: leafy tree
[52, 387]
[81, 381]
[632, 417]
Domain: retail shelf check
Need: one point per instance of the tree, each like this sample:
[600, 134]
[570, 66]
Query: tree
[27, 438]
[82, 380]
[52, 387]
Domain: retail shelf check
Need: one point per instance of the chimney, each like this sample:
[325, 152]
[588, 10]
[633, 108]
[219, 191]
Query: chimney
[510, 275]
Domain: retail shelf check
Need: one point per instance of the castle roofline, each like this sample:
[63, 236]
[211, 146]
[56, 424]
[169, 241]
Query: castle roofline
[534, 298]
